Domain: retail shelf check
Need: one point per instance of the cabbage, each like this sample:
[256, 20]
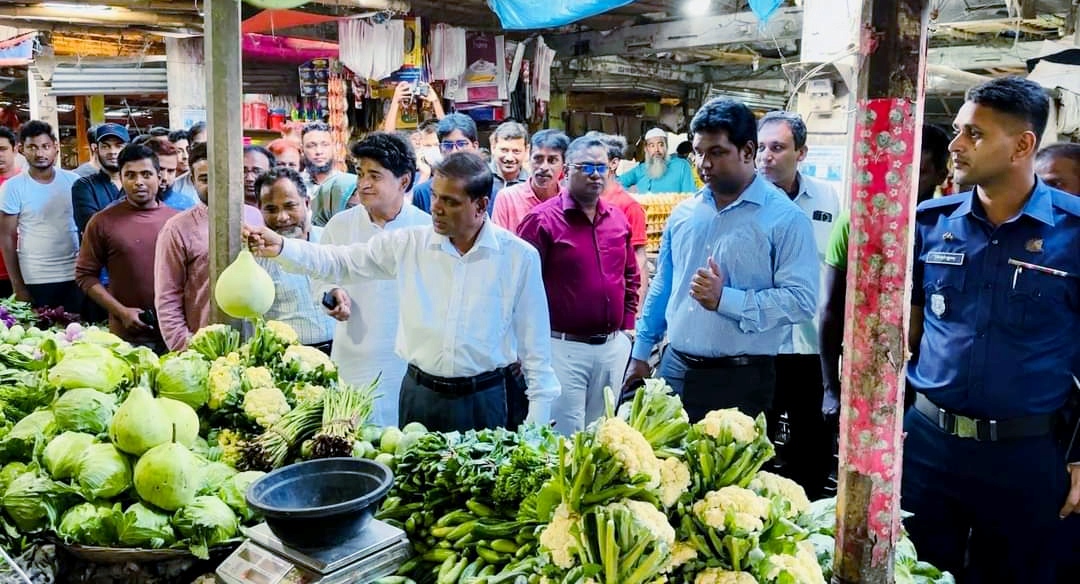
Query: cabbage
[89, 365]
[84, 410]
[90, 524]
[201, 447]
[141, 526]
[214, 474]
[205, 522]
[234, 490]
[35, 501]
[10, 472]
[184, 377]
[104, 472]
[63, 453]
[22, 441]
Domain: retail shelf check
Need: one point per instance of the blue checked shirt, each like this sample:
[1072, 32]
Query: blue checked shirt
[297, 303]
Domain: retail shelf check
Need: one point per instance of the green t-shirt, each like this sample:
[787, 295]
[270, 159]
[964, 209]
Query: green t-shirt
[836, 252]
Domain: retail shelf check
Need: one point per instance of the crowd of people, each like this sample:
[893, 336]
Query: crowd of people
[488, 291]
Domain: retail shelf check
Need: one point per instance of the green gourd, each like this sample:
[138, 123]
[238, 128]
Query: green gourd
[244, 289]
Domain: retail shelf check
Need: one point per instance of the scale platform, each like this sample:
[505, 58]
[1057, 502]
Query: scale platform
[263, 559]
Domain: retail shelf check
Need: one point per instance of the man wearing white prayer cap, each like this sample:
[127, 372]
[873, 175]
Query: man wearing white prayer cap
[659, 174]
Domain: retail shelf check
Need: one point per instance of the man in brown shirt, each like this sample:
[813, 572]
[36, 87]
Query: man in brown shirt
[121, 238]
[182, 264]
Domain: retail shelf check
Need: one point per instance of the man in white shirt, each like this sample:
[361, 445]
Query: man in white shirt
[367, 310]
[37, 205]
[807, 452]
[472, 299]
[284, 205]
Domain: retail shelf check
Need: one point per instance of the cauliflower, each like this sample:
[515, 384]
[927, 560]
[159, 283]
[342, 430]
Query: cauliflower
[748, 509]
[629, 448]
[265, 405]
[722, 576]
[304, 392]
[258, 377]
[802, 566]
[770, 485]
[674, 480]
[729, 422]
[285, 332]
[224, 380]
[308, 358]
[657, 521]
[231, 444]
[558, 537]
[681, 553]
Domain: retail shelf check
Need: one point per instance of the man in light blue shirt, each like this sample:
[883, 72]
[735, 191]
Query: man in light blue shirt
[659, 174]
[737, 267]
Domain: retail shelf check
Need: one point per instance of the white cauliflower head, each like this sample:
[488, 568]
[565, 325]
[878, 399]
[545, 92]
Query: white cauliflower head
[803, 566]
[265, 405]
[729, 422]
[654, 518]
[285, 332]
[223, 381]
[309, 358]
[258, 377]
[748, 509]
[771, 485]
[721, 576]
[674, 480]
[630, 448]
[558, 537]
[681, 553]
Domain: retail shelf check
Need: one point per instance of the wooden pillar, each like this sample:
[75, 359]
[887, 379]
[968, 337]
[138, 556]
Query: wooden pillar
[97, 109]
[226, 137]
[82, 147]
[889, 89]
[186, 71]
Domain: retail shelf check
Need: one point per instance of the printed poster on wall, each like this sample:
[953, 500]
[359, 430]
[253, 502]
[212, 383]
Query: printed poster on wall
[485, 72]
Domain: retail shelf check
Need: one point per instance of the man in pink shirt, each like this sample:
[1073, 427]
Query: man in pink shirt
[182, 263]
[548, 161]
[591, 278]
[616, 195]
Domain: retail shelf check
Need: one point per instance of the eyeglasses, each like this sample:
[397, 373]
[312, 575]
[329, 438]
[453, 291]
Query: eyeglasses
[452, 145]
[590, 168]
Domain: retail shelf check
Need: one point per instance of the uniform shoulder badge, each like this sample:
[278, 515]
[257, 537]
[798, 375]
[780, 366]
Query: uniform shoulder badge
[1034, 245]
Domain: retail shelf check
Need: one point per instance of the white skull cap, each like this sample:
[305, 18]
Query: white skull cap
[655, 133]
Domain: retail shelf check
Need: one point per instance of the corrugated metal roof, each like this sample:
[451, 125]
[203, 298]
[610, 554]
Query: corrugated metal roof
[103, 79]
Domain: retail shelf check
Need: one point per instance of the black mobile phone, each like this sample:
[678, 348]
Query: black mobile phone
[149, 317]
[329, 301]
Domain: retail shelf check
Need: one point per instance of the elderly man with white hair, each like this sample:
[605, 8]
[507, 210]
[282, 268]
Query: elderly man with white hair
[659, 174]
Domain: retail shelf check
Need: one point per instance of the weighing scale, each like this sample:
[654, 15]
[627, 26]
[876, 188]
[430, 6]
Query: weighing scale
[263, 559]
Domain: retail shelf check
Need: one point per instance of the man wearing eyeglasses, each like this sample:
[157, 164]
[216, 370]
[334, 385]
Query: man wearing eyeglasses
[456, 132]
[591, 278]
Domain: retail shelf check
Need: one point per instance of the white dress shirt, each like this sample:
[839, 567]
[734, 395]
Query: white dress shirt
[819, 201]
[364, 344]
[461, 315]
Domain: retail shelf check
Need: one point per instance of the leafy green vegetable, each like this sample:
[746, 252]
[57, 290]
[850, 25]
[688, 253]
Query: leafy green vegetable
[658, 414]
[207, 521]
[84, 410]
[34, 501]
[184, 378]
[30, 434]
[63, 453]
[104, 472]
[90, 524]
[23, 392]
[90, 365]
[10, 472]
[216, 340]
[141, 526]
[234, 493]
[214, 475]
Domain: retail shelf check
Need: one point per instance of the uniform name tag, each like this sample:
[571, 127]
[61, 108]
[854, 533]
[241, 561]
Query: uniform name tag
[945, 258]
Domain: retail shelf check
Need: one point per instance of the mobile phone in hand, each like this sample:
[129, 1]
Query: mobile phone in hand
[329, 301]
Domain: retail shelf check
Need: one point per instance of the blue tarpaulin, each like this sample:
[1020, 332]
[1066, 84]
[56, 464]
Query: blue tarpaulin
[533, 14]
[18, 50]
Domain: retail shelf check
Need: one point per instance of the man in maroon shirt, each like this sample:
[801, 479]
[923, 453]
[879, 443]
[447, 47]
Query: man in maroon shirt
[9, 167]
[591, 278]
[122, 238]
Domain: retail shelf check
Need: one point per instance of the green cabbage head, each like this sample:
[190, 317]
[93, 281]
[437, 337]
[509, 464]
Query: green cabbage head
[89, 365]
[104, 472]
[141, 526]
[90, 524]
[185, 377]
[234, 490]
[63, 453]
[84, 410]
[207, 521]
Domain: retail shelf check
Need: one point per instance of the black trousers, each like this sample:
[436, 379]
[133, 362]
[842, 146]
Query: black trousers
[444, 412]
[807, 453]
[748, 387]
[65, 294]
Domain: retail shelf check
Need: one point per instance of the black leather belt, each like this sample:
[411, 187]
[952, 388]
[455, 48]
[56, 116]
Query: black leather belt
[463, 385]
[325, 347]
[587, 339]
[695, 362]
[984, 430]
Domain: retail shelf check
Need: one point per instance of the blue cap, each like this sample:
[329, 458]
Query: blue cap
[114, 130]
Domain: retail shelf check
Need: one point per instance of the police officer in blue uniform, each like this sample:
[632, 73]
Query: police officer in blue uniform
[996, 310]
